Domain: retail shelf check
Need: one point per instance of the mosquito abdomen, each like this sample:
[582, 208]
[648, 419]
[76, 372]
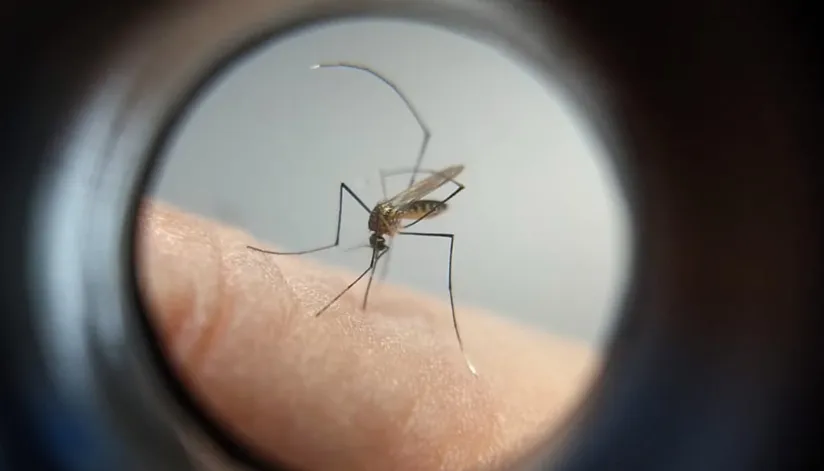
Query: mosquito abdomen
[421, 208]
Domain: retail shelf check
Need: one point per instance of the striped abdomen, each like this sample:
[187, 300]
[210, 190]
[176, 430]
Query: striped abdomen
[386, 219]
[418, 209]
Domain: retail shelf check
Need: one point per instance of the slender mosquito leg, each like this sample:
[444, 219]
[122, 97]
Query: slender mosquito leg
[373, 266]
[389, 173]
[337, 233]
[403, 171]
[421, 151]
[385, 269]
[383, 184]
[451, 238]
[384, 272]
[427, 134]
[452, 195]
[413, 171]
[375, 257]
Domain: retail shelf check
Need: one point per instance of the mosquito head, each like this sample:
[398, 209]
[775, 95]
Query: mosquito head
[377, 242]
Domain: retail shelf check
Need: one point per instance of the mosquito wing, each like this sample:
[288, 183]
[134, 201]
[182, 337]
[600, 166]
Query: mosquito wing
[426, 186]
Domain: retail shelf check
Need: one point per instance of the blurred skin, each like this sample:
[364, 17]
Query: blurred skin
[385, 389]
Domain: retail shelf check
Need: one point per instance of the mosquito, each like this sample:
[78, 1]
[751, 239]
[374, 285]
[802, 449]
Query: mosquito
[391, 216]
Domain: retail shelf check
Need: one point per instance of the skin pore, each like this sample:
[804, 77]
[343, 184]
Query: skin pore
[349, 390]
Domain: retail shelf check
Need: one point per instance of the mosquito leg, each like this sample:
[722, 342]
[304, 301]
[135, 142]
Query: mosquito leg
[375, 257]
[451, 238]
[388, 173]
[383, 184]
[404, 171]
[343, 188]
[427, 134]
[460, 188]
[384, 270]
[422, 150]
[425, 215]
[384, 174]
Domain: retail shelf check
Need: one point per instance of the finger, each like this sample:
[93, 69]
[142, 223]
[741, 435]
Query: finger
[349, 390]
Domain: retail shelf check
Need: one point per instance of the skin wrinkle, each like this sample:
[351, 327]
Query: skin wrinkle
[215, 324]
[177, 317]
[179, 306]
[350, 390]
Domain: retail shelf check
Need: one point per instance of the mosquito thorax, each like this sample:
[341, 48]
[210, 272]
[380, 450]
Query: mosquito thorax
[383, 219]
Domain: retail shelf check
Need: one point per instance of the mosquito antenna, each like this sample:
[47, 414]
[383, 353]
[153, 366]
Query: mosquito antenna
[426, 133]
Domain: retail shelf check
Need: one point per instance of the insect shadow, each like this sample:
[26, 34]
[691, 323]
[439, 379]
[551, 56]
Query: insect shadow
[391, 216]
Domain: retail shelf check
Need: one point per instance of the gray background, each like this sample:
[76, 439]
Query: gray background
[541, 230]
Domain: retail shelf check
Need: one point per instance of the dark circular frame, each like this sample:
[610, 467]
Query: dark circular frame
[712, 111]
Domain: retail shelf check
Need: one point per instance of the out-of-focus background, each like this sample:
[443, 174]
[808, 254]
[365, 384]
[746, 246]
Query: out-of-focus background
[541, 232]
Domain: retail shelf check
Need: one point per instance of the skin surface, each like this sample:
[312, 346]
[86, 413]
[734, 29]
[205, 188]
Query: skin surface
[350, 390]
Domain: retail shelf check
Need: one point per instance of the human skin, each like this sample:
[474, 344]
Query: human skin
[385, 388]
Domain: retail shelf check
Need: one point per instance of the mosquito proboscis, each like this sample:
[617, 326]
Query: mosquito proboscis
[393, 215]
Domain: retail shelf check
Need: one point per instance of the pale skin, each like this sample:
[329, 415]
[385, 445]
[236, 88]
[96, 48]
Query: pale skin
[350, 390]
